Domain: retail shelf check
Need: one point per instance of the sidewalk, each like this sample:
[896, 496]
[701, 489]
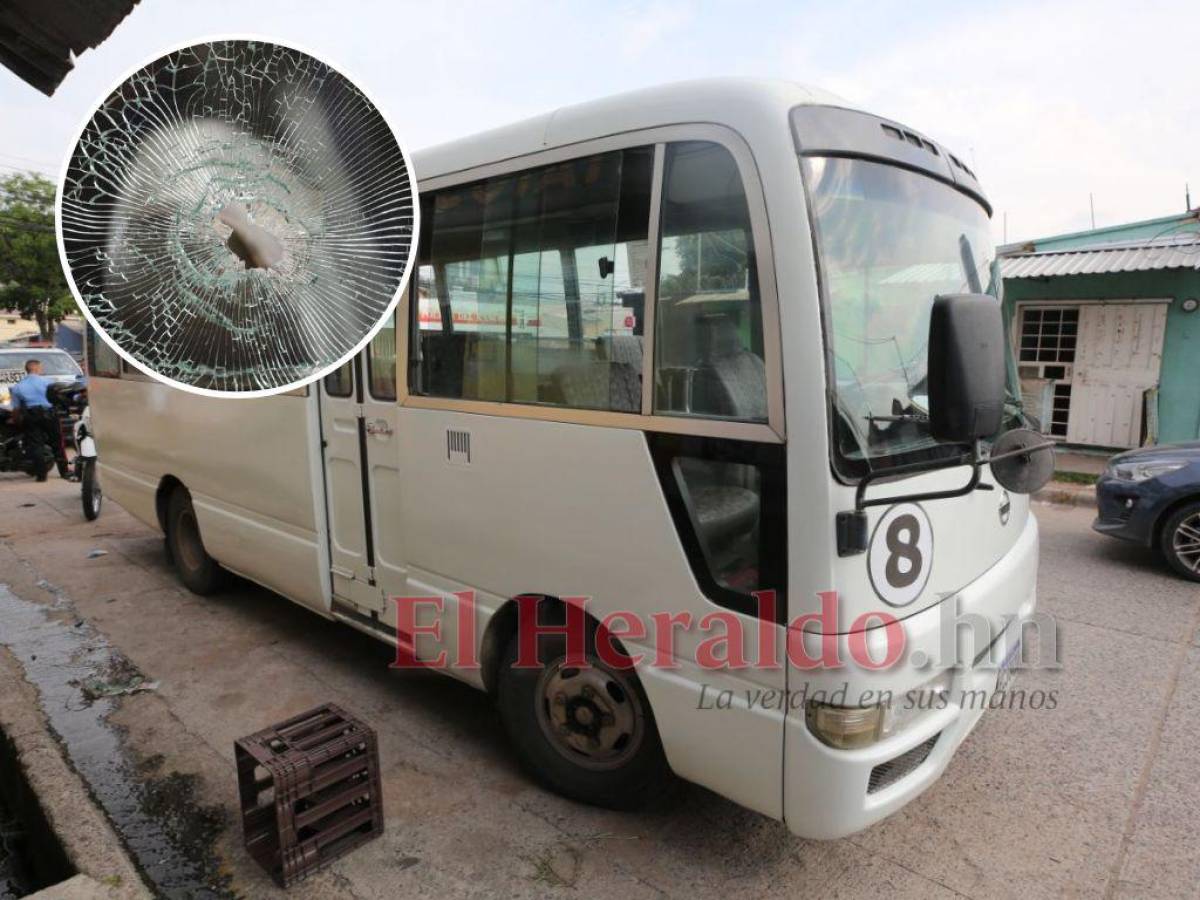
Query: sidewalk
[1065, 493]
[1069, 493]
[1081, 463]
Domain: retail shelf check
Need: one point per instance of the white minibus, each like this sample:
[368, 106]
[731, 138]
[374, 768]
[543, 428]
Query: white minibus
[715, 362]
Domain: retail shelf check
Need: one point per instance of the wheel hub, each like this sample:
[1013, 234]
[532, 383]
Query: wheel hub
[1186, 542]
[592, 716]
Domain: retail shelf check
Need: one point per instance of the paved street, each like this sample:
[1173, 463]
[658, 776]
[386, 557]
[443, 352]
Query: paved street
[1098, 797]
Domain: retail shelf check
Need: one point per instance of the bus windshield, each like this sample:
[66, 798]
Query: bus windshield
[890, 240]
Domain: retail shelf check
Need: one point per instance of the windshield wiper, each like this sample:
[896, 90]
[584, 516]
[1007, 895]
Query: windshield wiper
[968, 263]
[900, 414]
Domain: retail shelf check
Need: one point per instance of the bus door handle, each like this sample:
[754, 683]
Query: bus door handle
[379, 427]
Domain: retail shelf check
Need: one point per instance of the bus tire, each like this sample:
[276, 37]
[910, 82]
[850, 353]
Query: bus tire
[587, 734]
[199, 572]
[92, 495]
[1178, 541]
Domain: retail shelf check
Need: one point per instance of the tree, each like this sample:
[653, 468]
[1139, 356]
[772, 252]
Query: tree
[31, 277]
[710, 261]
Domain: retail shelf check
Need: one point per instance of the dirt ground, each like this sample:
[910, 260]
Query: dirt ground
[1098, 797]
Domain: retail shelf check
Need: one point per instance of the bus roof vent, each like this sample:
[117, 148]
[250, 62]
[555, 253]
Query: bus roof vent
[958, 163]
[909, 137]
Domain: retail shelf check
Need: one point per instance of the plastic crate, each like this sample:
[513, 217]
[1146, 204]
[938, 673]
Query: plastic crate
[310, 791]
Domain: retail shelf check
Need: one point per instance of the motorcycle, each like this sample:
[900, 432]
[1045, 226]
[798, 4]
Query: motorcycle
[84, 465]
[66, 401]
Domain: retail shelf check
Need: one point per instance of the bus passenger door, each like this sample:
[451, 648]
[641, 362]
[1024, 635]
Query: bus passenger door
[343, 438]
[382, 461]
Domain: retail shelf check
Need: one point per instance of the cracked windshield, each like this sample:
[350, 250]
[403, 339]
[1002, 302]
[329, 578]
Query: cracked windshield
[890, 241]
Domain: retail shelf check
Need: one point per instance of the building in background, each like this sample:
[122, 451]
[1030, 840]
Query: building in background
[14, 328]
[68, 335]
[1106, 326]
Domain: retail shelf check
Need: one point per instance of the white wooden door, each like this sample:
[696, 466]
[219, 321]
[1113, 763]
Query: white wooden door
[1118, 359]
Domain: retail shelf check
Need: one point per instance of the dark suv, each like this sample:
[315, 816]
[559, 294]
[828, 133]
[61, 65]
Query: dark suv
[1152, 496]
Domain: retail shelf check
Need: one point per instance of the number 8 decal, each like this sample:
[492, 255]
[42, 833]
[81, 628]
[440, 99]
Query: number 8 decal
[901, 554]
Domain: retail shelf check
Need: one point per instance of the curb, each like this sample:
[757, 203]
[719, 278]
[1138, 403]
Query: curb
[1062, 494]
[91, 846]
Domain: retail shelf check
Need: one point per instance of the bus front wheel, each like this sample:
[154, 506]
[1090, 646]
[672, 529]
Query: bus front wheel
[584, 732]
[199, 572]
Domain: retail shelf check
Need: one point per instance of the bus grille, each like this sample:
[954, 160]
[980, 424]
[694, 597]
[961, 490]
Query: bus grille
[888, 773]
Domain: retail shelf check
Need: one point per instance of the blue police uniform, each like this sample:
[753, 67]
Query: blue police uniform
[30, 392]
[43, 441]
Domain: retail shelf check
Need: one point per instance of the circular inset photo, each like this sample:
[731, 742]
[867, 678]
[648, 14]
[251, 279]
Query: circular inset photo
[237, 218]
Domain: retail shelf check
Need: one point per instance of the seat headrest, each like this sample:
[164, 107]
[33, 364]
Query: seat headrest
[721, 336]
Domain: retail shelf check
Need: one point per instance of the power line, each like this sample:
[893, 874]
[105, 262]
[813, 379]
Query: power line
[26, 169]
[40, 162]
[27, 197]
[23, 225]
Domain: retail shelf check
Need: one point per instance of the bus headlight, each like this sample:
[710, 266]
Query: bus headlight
[852, 727]
[845, 727]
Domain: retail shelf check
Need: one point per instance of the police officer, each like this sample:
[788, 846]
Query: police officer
[32, 405]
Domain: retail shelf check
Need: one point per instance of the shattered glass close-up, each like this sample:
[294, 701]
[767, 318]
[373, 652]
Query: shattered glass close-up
[237, 216]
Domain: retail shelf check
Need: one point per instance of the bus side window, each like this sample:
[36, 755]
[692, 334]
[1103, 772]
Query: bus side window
[340, 382]
[708, 332]
[725, 499]
[532, 286]
[381, 362]
[102, 360]
[728, 501]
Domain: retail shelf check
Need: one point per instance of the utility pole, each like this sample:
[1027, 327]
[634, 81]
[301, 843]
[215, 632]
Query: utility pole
[1092, 204]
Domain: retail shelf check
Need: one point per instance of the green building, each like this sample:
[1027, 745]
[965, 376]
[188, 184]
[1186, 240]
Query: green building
[1107, 331]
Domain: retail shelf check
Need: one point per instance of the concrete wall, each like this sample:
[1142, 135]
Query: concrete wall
[1179, 393]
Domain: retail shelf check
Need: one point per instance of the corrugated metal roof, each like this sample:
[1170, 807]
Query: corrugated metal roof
[926, 273]
[1177, 251]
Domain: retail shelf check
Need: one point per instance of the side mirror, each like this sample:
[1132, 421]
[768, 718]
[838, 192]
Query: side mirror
[966, 367]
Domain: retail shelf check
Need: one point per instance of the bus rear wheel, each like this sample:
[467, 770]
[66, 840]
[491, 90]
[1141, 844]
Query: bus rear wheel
[586, 733]
[199, 572]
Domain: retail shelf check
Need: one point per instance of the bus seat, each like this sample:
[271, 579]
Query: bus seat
[600, 384]
[725, 506]
[622, 348]
[724, 511]
[442, 358]
[730, 380]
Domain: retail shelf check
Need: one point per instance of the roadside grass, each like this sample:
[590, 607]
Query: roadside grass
[1075, 477]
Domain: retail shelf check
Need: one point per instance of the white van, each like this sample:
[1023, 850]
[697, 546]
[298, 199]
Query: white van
[671, 352]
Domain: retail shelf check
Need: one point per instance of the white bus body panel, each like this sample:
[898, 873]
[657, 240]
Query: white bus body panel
[251, 467]
[826, 790]
[574, 511]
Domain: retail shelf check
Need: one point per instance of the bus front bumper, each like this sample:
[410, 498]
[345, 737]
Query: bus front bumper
[830, 793]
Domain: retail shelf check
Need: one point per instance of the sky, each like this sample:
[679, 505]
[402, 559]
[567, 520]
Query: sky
[1051, 102]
